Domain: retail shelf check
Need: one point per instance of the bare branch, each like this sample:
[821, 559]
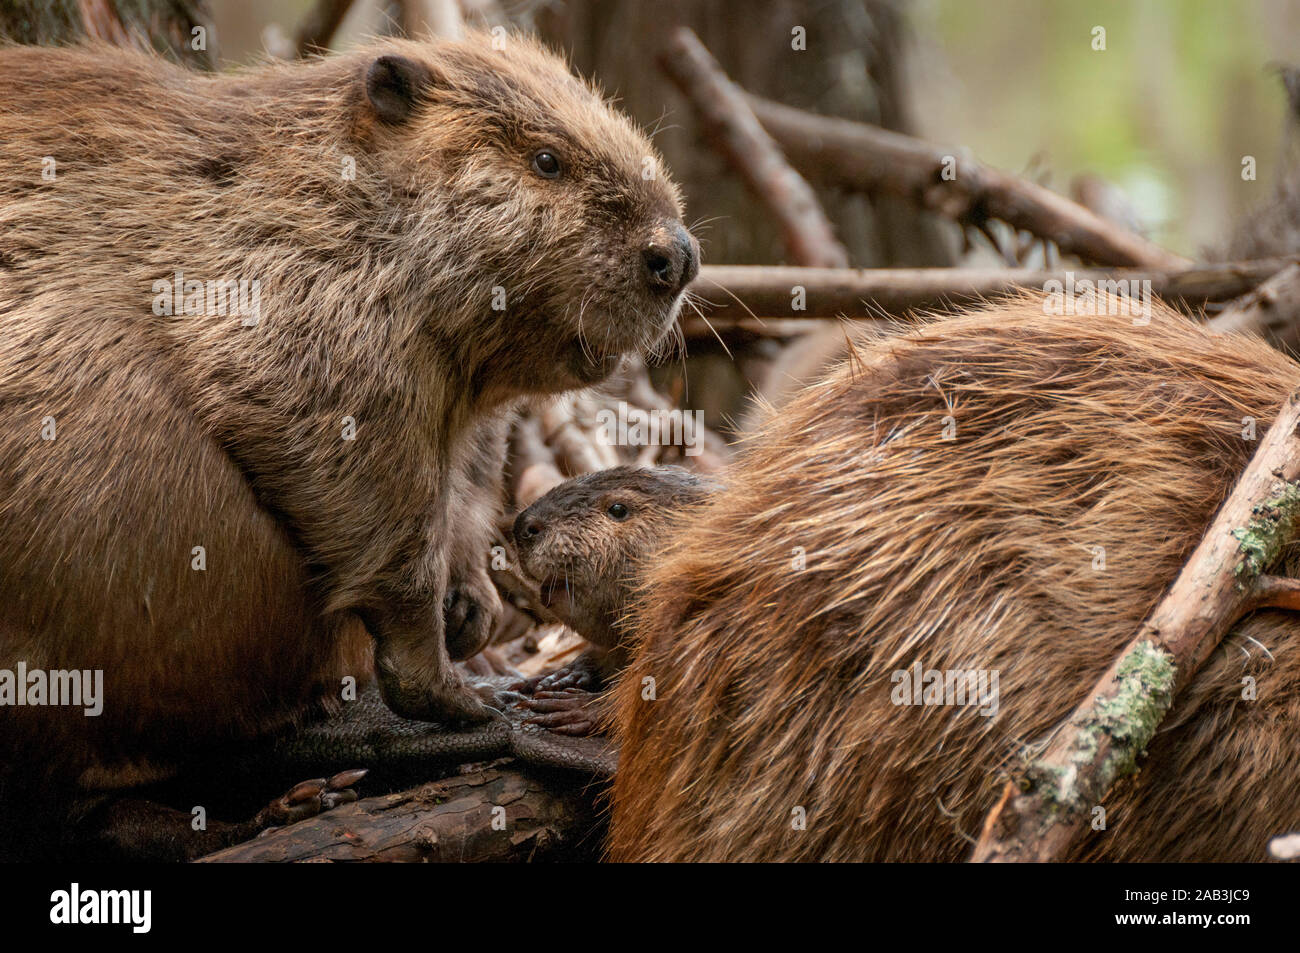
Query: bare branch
[1272, 311]
[731, 125]
[748, 291]
[857, 156]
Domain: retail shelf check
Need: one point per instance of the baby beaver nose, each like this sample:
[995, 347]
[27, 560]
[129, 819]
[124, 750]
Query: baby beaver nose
[526, 530]
[672, 260]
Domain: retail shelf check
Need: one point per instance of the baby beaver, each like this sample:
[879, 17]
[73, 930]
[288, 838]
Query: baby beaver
[585, 542]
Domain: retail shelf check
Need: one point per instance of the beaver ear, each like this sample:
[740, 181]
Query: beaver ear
[394, 87]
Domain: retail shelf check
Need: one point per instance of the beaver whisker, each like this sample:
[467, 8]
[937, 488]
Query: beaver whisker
[582, 338]
[658, 125]
[727, 291]
[703, 224]
[709, 324]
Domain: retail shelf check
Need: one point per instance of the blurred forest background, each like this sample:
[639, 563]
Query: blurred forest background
[1166, 112]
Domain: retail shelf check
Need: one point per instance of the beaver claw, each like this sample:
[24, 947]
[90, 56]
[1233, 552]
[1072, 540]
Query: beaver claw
[310, 798]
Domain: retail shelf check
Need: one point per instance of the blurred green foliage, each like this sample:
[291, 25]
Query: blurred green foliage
[1167, 111]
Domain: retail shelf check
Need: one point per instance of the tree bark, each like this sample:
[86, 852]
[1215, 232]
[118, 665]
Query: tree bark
[1272, 311]
[494, 814]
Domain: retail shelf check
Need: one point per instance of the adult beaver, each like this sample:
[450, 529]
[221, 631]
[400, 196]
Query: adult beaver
[1000, 494]
[251, 324]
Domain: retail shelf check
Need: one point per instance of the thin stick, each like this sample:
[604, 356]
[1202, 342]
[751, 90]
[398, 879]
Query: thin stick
[740, 291]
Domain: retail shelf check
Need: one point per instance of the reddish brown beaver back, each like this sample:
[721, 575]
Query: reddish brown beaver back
[774, 684]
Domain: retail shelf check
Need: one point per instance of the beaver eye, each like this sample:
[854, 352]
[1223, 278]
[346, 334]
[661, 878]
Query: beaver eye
[546, 165]
[618, 511]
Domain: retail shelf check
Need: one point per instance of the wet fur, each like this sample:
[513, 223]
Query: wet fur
[773, 685]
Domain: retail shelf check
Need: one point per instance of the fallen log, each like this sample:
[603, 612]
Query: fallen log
[731, 126]
[730, 293]
[1041, 811]
[494, 814]
[867, 158]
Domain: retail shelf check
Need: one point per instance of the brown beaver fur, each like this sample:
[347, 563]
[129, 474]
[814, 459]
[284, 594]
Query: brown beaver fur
[773, 685]
[472, 605]
[421, 263]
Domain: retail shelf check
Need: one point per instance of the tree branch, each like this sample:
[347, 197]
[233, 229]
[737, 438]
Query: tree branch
[857, 156]
[1272, 311]
[732, 127]
[733, 292]
[455, 819]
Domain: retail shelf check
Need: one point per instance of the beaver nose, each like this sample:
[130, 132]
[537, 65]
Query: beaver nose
[526, 529]
[672, 261]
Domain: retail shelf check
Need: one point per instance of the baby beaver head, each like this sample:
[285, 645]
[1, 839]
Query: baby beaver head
[585, 540]
[545, 211]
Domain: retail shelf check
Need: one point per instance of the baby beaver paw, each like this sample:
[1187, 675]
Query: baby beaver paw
[585, 672]
[571, 676]
[310, 798]
[569, 711]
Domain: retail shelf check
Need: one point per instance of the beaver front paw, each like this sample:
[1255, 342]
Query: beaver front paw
[568, 712]
[448, 699]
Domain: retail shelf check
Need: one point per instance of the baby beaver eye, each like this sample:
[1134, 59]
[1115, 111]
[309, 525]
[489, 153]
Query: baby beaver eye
[546, 165]
[618, 511]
